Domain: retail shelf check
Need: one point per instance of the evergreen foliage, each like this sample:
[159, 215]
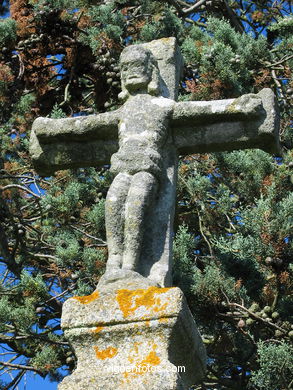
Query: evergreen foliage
[233, 247]
[275, 365]
[7, 32]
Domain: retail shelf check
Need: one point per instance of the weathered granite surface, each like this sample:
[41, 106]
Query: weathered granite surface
[133, 338]
[152, 129]
[250, 121]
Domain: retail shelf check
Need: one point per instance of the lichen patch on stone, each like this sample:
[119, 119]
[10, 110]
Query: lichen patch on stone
[98, 329]
[107, 353]
[88, 298]
[164, 320]
[130, 300]
[134, 352]
[151, 359]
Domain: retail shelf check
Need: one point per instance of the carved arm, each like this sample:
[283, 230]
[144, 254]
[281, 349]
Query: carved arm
[73, 142]
[251, 121]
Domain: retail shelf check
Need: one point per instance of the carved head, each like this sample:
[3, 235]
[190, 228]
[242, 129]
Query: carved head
[139, 72]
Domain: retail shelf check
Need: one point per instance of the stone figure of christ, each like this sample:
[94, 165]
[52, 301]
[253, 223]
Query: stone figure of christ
[143, 133]
[152, 130]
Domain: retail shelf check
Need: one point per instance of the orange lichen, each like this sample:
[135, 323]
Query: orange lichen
[133, 352]
[107, 353]
[142, 366]
[88, 298]
[152, 359]
[98, 329]
[164, 320]
[130, 300]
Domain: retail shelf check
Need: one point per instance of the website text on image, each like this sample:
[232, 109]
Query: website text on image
[142, 368]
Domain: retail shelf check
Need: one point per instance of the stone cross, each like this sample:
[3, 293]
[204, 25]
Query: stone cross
[143, 139]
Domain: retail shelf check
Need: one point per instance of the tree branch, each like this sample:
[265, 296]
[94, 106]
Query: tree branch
[194, 7]
[195, 22]
[284, 59]
[278, 84]
[204, 236]
[89, 235]
[43, 255]
[21, 367]
[15, 381]
[20, 188]
[234, 19]
[256, 317]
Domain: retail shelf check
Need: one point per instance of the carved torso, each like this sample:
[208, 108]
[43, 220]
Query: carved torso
[143, 132]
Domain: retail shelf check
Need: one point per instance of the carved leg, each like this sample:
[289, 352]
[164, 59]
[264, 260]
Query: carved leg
[141, 193]
[114, 215]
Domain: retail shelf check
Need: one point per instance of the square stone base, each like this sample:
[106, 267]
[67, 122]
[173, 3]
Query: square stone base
[142, 339]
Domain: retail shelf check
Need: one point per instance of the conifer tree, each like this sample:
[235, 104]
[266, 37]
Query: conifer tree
[233, 247]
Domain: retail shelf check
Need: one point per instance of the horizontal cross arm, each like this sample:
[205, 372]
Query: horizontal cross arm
[251, 121]
[101, 126]
[73, 142]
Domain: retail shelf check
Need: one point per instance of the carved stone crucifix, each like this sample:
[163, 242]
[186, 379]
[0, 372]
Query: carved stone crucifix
[143, 139]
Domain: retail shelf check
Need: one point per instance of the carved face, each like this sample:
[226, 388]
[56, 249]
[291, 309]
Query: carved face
[136, 69]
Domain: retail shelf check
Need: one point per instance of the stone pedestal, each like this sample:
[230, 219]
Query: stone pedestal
[133, 338]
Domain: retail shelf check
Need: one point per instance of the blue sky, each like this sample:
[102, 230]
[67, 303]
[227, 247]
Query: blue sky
[30, 380]
[35, 382]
